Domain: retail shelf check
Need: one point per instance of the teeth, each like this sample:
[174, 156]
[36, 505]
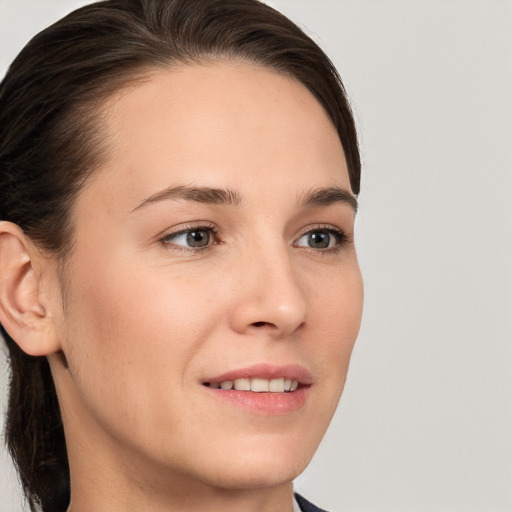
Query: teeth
[258, 385]
[276, 386]
[243, 384]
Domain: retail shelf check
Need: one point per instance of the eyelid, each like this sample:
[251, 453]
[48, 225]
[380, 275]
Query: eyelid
[342, 237]
[184, 228]
[321, 227]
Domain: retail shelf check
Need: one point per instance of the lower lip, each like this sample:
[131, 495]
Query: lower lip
[263, 403]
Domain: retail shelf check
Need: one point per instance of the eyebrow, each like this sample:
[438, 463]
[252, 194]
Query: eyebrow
[328, 196]
[206, 195]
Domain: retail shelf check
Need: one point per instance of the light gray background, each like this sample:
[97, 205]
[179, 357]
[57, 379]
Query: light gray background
[425, 423]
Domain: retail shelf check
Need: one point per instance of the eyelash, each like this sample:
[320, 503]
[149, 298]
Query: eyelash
[342, 239]
[210, 228]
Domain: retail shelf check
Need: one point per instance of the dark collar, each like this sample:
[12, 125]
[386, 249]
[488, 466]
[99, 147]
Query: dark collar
[307, 506]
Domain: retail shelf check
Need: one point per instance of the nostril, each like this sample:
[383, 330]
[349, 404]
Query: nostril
[262, 324]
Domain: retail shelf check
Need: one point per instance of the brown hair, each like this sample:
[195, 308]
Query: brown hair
[50, 102]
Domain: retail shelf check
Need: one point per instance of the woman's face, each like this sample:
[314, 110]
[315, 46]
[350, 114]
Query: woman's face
[213, 248]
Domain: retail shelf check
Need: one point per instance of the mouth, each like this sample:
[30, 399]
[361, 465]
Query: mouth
[263, 389]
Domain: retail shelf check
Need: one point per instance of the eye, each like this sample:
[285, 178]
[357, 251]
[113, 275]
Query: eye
[198, 237]
[321, 239]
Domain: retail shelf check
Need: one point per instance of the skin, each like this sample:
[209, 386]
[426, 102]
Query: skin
[145, 319]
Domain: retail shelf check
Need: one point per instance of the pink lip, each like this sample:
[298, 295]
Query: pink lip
[267, 371]
[269, 404]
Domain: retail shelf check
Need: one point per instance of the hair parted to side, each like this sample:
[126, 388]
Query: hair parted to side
[50, 143]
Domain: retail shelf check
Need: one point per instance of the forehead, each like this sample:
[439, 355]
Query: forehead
[208, 124]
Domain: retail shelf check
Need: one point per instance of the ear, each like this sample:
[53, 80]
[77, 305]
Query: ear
[23, 312]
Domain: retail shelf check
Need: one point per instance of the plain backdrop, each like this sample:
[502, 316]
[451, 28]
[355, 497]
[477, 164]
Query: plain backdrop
[425, 423]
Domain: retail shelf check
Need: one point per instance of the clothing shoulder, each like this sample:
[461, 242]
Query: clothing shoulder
[307, 506]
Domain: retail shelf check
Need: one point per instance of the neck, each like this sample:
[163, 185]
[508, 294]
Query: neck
[119, 494]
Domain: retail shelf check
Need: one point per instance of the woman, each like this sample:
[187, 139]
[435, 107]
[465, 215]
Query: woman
[179, 288]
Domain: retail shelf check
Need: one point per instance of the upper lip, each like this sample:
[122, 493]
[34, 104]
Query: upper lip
[266, 371]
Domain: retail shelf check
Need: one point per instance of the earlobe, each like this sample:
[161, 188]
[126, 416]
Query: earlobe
[22, 312]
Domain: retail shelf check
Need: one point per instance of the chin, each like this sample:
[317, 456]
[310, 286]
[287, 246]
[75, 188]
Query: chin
[251, 477]
[265, 466]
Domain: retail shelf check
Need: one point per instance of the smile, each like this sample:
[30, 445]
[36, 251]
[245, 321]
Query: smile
[257, 385]
[263, 389]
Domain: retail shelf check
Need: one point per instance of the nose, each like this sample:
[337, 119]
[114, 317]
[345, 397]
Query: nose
[270, 298]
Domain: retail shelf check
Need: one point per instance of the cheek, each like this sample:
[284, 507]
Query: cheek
[338, 307]
[131, 341]
[141, 307]
[337, 317]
